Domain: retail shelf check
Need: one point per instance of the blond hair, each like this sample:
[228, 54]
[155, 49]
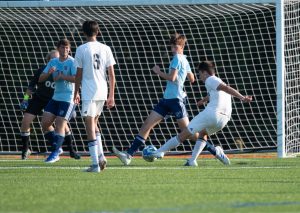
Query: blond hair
[49, 54]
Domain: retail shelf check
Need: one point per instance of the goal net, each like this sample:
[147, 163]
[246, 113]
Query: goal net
[291, 79]
[239, 38]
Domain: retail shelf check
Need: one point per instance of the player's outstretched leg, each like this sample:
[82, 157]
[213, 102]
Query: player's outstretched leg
[153, 119]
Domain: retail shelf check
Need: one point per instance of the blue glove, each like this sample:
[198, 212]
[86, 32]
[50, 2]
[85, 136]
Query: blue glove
[24, 105]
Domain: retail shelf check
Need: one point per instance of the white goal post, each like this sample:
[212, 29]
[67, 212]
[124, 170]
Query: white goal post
[254, 44]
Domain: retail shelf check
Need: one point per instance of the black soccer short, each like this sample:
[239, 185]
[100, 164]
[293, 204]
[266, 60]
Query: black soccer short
[36, 105]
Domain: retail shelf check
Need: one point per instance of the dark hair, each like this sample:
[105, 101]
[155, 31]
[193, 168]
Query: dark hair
[177, 39]
[63, 42]
[90, 28]
[207, 66]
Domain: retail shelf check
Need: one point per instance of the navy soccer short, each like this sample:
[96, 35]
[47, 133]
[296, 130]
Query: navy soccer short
[61, 108]
[175, 107]
[36, 105]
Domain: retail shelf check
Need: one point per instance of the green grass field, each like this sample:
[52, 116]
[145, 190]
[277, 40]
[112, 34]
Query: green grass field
[248, 185]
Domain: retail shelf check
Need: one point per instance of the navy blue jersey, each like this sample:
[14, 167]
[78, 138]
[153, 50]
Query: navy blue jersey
[43, 90]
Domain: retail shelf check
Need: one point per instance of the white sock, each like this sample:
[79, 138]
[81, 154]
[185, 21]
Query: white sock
[199, 146]
[93, 146]
[100, 147]
[170, 144]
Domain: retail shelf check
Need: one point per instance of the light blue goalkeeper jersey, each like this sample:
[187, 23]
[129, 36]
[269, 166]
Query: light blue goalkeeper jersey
[175, 89]
[64, 90]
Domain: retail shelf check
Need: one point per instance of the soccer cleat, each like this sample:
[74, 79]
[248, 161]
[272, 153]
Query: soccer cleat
[26, 154]
[221, 156]
[60, 151]
[123, 156]
[158, 155]
[53, 157]
[74, 155]
[93, 168]
[102, 164]
[190, 163]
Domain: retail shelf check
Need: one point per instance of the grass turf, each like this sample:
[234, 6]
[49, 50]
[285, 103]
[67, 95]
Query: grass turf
[248, 185]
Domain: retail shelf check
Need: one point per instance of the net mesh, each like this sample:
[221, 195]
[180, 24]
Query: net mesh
[292, 76]
[239, 38]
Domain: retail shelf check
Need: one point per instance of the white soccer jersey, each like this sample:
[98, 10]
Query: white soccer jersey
[94, 58]
[219, 101]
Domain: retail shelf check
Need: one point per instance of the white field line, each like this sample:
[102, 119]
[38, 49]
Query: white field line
[147, 168]
[167, 159]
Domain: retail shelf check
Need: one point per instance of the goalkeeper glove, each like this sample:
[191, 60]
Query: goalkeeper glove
[24, 103]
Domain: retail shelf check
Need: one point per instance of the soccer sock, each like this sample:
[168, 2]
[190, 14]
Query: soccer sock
[199, 146]
[49, 137]
[69, 141]
[93, 146]
[25, 140]
[211, 148]
[170, 144]
[100, 147]
[58, 141]
[136, 144]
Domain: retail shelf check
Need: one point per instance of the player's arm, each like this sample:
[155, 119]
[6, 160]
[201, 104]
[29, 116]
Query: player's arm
[172, 76]
[78, 79]
[191, 77]
[31, 87]
[234, 93]
[203, 101]
[112, 81]
[46, 73]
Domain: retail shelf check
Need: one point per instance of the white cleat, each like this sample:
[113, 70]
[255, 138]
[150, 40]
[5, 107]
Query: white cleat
[93, 168]
[157, 155]
[60, 151]
[221, 156]
[189, 162]
[123, 156]
[102, 164]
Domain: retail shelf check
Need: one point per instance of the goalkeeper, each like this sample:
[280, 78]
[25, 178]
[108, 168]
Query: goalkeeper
[40, 94]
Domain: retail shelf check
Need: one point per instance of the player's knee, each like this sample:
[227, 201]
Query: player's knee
[194, 137]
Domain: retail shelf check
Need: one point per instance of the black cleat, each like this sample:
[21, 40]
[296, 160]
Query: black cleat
[26, 154]
[75, 155]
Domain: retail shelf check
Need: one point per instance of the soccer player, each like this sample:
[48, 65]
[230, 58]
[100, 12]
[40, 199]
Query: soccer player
[41, 94]
[92, 60]
[61, 106]
[213, 118]
[172, 103]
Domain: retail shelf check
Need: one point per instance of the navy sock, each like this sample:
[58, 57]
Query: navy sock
[58, 141]
[137, 143]
[69, 142]
[211, 148]
[25, 140]
[49, 137]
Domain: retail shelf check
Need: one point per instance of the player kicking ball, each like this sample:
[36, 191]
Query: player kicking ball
[173, 102]
[92, 60]
[213, 118]
[61, 107]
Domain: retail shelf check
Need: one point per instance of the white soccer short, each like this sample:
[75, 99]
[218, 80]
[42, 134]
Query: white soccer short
[208, 120]
[92, 108]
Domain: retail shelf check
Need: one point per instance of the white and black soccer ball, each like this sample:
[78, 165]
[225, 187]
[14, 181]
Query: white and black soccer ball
[147, 153]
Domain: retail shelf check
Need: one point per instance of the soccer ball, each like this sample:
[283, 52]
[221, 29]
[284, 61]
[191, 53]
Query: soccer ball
[147, 152]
